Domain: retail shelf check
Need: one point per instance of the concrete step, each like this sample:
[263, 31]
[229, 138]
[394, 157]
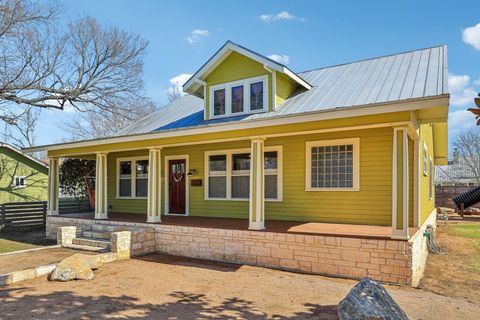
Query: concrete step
[96, 235]
[92, 242]
[86, 248]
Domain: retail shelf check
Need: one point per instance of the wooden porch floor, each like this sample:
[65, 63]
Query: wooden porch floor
[295, 227]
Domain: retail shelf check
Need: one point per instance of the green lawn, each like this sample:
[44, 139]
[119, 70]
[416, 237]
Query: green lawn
[9, 245]
[20, 239]
[471, 232]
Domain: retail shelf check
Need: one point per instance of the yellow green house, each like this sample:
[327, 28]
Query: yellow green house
[22, 177]
[350, 145]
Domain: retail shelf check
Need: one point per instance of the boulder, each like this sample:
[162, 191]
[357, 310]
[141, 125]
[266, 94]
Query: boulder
[369, 300]
[76, 267]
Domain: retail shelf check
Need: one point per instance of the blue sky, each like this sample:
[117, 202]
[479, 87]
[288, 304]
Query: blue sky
[304, 34]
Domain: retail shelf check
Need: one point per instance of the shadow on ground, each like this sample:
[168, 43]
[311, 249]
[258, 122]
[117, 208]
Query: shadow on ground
[34, 236]
[190, 262]
[19, 303]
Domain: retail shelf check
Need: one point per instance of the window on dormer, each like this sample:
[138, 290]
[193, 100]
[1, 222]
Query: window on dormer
[219, 102]
[239, 97]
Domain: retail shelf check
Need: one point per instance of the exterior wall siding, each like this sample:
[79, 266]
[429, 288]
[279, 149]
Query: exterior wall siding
[427, 204]
[285, 87]
[236, 67]
[13, 164]
[370, 205]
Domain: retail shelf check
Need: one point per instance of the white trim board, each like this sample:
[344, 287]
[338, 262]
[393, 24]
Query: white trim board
[407, 105]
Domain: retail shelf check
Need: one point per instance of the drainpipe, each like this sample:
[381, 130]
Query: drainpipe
[274, 85]
[204, 84]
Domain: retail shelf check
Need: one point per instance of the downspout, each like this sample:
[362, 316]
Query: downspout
[274, 85]
[204, 84]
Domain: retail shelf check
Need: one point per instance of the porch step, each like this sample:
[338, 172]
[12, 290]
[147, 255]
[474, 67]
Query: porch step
[96, 235]
[92, 242]
[86, 248]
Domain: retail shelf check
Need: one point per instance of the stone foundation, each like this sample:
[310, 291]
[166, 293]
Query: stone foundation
[394, 261]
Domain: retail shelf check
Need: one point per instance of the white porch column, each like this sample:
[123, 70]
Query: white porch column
[154, 204]
[256, 210]
[101, 186]
[400, 184]
[53, 187]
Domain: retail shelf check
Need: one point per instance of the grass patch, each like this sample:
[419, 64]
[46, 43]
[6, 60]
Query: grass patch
[9, 246]
[472, 232]
[14, 239]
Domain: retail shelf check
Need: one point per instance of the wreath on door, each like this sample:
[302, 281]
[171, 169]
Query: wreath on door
[178, 176]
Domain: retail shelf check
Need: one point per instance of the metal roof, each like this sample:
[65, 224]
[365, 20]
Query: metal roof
[410, 75]
[456, 172]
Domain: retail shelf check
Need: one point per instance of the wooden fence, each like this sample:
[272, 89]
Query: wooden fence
[445, 194]
[72, 205]
[23, 214]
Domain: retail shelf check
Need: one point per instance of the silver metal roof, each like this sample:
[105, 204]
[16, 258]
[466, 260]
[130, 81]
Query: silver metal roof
[409, 75]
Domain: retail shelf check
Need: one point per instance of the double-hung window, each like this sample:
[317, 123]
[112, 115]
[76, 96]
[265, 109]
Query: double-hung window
[19, 182]
[332, 165]
[228, 174]
[132, 178]
[239, 97]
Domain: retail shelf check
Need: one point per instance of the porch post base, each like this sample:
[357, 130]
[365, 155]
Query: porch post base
[52, 212]
[400, 235]
[101, 216]
[256, 226]
[154, 219]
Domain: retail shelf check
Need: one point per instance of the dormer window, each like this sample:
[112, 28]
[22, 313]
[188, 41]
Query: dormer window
[239, 97]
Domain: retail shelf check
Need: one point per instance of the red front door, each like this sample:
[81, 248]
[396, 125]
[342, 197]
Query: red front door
[177, 185]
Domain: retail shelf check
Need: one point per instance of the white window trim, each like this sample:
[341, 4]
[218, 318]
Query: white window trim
[187, 185]
[24, 182]
[425, 160]
[133, 178]
[431, 182]
[228, 153]
[356, 162]
[246, 96]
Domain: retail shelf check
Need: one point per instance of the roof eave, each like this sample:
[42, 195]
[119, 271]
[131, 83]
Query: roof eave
[404, 105]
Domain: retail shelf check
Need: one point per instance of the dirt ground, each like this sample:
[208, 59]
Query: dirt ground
[161, 287]
[19, 261]
[456, 273]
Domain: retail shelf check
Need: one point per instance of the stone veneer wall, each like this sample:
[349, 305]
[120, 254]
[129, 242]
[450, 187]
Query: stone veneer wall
[142, 235]
[419, 247]
[385, 260]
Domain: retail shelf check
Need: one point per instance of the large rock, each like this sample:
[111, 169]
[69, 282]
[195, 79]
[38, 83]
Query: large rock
[75, 267]
[369, 300]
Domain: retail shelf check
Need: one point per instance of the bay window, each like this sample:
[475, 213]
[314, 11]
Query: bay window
[132, 178]
[228, 174]
[239, 97]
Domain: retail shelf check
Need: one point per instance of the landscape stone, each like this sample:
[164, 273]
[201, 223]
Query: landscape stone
[369, 300]
[76, 267]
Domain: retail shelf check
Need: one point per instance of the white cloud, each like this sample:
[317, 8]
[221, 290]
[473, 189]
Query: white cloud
[476, 82]
[460, 120]
[462, 92]
[281, 16]
[177, 82]
[283, 59]
[471, 36]
[197, 35]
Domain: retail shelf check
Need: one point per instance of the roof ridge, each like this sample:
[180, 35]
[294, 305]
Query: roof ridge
[368, 59]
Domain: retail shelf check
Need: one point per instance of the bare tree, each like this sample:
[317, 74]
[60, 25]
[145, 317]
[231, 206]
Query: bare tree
[21, 131]
[174, 92]
[88, 67]
[468, 145]
[103, 124]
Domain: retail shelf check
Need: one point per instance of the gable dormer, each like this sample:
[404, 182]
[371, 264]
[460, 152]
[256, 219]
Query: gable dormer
[237, 81]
